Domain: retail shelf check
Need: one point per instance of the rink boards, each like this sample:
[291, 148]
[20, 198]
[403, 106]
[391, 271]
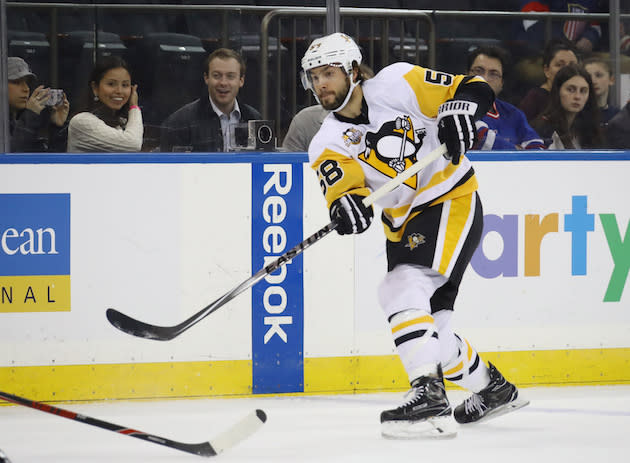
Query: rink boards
[159, 237]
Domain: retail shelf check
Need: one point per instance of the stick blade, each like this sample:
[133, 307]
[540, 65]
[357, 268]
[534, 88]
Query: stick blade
[134, 327]
[239, 431]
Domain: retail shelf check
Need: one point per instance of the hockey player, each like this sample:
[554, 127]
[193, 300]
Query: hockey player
[433, 222]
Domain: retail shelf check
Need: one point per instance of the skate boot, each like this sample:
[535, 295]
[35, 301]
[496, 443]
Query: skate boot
[427, 413]
[498, 398]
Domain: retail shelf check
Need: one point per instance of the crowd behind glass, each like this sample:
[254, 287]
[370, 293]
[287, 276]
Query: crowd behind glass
[168, 83]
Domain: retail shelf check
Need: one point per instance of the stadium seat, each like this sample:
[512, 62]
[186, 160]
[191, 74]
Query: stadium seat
[77, 49]
[168, 69]
[34, 48]
[164, 57]
[217, 29]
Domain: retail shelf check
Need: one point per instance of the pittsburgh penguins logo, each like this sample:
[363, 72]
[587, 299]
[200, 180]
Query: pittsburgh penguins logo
[314, 46]
[394, 147]
[414, 240]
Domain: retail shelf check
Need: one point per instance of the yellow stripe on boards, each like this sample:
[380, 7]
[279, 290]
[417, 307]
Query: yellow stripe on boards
[129, 380]
[322, 375]
[415, 321]
[524, 368]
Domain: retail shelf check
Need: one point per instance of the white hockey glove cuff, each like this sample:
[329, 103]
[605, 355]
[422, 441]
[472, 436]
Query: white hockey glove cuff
[350, 214]
[456, 127]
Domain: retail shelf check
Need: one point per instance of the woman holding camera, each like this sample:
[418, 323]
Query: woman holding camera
[36, 120]
[113, 121]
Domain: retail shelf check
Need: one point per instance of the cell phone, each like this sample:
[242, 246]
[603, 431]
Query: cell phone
[55, 96]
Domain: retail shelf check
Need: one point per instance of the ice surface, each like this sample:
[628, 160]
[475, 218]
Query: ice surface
[568, 424]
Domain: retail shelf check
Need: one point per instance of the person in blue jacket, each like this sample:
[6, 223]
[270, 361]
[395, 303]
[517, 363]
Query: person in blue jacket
[504, 126]
[584, 34]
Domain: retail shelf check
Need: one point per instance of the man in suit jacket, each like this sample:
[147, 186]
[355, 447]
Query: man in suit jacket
[204, 124]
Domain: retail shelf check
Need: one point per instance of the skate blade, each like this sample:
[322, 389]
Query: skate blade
[502, 410]
[431, 428]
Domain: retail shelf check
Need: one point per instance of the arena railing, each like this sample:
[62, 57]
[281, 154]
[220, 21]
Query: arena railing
[430, 17]
[425, 45]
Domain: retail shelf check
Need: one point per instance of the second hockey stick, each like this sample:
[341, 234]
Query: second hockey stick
[230, 437]
[165, 333]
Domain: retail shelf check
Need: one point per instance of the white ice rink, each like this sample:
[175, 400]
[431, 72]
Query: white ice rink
[569, 424]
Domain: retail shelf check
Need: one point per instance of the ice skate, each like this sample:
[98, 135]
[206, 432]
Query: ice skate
[498, 398]
[426, 414]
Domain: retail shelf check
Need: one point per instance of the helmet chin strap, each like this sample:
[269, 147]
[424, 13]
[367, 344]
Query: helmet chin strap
[348, 95]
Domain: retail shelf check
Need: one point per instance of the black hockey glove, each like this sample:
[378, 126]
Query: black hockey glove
[456, 127]
[350, 214]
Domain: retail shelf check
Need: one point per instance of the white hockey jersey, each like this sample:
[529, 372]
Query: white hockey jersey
[402, 104]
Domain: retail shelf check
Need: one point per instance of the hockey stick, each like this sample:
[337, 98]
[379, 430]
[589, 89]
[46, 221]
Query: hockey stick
[164, 333]
[228, 438]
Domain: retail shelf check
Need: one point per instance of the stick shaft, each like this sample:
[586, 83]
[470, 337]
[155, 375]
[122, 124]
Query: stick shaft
[405, 175]
[197, 449]
[165, 333]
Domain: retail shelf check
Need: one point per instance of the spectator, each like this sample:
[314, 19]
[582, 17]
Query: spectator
[36, 120]
[204, 124]
[571, 119]
[603, 78]
[306, 123]
[557, 54]
[618, 132]
[585, 35]
[504, 127]
[113, 120]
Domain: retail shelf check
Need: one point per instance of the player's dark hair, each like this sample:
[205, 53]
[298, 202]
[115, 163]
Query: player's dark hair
[365, 72]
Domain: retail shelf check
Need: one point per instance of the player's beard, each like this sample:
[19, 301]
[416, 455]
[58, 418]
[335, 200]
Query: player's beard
[339, 98]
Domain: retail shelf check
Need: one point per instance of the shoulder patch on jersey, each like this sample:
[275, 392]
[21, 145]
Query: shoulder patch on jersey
[352, 136]
[394, 147]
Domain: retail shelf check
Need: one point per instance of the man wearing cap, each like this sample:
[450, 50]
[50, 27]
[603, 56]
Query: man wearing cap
[35, 125]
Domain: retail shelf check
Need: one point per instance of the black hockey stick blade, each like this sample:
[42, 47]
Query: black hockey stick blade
[140, 329]
[227, 439]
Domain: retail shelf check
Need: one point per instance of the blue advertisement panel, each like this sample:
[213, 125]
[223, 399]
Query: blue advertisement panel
[277, 300]
[34, 252]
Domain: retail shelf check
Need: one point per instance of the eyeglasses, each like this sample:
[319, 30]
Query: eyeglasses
[488, 75]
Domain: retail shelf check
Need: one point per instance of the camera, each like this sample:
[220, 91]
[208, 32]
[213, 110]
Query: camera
[55, 96]
[256, 135]
[261, 135]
